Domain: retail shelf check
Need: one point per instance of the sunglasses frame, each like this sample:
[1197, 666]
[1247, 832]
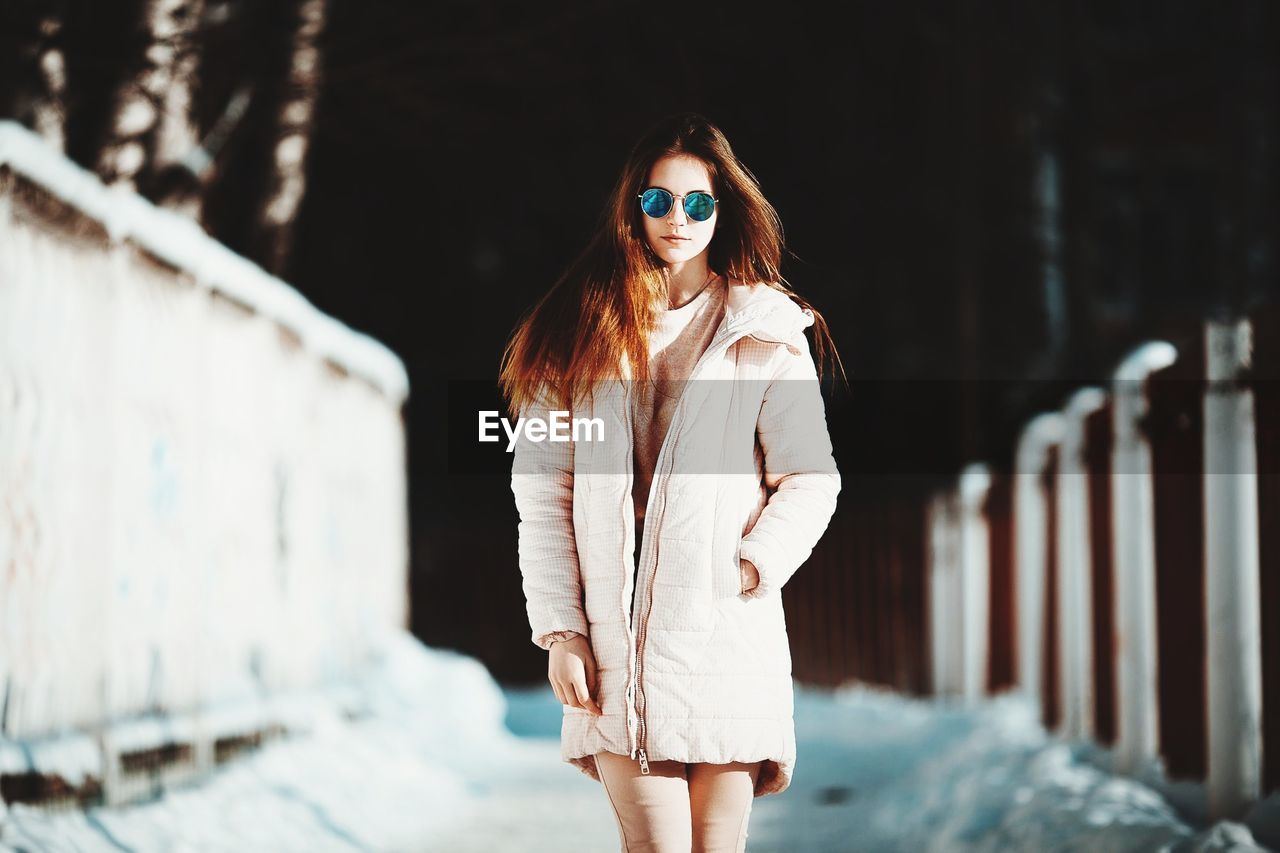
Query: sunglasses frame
[684, 201]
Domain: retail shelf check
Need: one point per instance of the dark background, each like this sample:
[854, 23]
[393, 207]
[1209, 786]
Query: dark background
[989, 202]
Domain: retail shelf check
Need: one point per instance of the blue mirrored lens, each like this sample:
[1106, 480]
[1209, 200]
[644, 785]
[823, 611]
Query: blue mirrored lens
[656, 203]
[699, 206]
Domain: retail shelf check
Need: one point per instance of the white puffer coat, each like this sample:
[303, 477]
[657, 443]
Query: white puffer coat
[700, 671]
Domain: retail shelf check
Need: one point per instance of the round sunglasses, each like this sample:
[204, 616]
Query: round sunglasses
[656, 202]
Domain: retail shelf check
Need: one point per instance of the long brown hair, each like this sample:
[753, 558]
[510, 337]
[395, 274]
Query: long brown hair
[606, 303]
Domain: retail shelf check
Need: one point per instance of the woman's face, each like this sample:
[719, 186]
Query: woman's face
[675, 237]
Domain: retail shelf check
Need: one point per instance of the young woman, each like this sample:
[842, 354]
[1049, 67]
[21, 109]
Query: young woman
[671, 659]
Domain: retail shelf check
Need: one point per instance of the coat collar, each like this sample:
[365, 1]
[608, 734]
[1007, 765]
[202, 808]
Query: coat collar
[762, 310]
[757, 310]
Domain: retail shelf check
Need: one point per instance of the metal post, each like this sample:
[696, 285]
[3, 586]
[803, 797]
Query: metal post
[1134, 560]
[1030, 519]
[1075, 604]
[1233, 639]
[975, 581]
[944, 599]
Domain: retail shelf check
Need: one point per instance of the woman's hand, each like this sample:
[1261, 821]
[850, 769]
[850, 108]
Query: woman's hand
[750, 575]
[571, 667]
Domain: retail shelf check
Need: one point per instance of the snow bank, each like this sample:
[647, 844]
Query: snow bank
[881, 772]
[423, 755]
[386, 763]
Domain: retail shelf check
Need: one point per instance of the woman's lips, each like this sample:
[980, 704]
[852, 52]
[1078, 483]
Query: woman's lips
[676, 240]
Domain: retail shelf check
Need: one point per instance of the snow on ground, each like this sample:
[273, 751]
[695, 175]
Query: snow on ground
[881, 772]
[439, 758]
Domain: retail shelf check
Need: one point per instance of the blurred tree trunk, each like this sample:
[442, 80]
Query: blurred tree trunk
[48, 108]
[256, 109]
[162, 97]
[286, 180]
[33, 70]
[151, 123]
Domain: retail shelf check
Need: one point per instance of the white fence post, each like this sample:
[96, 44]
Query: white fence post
[1233, 639]
[1134, 560]
[944, 598]
[975, 580]
[1075, 569]
[1031, 551]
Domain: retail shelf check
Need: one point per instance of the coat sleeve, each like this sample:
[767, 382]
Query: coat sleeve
[800, 472]
[542, 482]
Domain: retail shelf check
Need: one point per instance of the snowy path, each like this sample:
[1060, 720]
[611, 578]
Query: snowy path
[440, 759]
[878, 772]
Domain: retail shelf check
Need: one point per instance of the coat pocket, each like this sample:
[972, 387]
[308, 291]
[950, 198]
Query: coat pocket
[729, 580]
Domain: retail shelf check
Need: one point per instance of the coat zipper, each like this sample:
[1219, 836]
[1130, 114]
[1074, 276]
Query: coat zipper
[642, 729]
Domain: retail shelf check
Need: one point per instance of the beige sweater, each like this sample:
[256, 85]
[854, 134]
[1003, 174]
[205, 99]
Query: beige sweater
[679, 340]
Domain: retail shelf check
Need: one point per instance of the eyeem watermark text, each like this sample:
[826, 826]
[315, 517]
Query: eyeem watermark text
[557, 427]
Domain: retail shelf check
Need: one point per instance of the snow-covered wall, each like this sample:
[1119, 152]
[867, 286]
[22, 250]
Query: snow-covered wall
[202, 477]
